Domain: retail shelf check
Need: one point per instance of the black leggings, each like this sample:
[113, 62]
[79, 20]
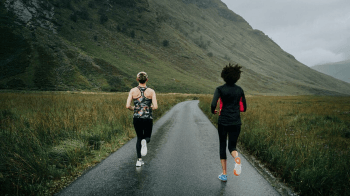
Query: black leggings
[143, 128]
[233, 133]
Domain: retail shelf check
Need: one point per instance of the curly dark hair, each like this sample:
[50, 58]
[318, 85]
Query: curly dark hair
[231, 73]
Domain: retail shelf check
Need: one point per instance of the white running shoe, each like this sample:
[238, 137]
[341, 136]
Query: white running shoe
[238, 167]
[139, 163]
[144, 147]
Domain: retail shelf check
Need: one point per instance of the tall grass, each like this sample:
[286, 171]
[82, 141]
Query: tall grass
[48, 138]
[305, 140]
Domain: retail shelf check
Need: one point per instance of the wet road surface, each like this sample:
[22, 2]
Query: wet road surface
[183, 159]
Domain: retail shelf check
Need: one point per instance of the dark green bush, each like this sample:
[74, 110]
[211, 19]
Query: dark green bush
[15, 84]
[43, 72]
[126, 3]
[132, 34]
[84, 14]
[66, 4]
[91, 4]
[165, 43]
[103, 18]
[74, 17]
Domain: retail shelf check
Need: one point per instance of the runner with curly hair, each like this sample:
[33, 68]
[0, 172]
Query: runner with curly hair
[232, 102]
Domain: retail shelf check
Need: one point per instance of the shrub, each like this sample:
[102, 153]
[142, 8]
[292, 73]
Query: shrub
[92, 4]
[165, 43]
[84, 14]
[126, 3]
[103, 18]
[15, 84]
[132, 34]
[124, 29]
[44, 71]
[74, 17]
[201, 43]
[101, 11]
[66, 4]
[210, 54]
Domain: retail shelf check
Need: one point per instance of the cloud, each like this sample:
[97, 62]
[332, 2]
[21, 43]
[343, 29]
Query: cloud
[306, 29]
[316, 56]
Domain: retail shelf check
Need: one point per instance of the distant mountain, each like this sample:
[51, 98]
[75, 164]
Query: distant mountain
[339, 70]
[100, 45]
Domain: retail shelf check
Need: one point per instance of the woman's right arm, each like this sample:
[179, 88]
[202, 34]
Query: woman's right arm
[215, 101]
[128, 101]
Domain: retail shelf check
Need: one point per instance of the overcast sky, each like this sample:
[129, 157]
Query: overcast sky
[314, 31]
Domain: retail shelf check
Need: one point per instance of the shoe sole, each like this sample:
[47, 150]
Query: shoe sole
[238, 169]
[143, 148]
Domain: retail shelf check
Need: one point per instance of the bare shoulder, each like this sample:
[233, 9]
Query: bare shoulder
[151, 90]
[134, 91]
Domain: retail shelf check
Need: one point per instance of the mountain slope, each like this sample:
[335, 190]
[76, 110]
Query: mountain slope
[182, 44]
[339, 70]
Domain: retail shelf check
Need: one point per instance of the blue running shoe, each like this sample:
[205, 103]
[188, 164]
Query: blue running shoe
[223, 177]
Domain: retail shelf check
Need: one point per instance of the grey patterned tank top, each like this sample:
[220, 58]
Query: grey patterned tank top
[142, 105]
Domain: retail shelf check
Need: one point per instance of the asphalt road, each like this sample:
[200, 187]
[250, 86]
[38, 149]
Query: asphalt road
[183, 159]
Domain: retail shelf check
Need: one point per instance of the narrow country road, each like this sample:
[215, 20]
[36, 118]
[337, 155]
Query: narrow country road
[183, 159]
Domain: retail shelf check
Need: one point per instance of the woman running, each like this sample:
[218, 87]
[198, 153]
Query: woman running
[229, 121]
[144, 102]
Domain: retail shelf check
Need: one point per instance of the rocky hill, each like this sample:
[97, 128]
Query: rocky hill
[339, 70]
[101, 45]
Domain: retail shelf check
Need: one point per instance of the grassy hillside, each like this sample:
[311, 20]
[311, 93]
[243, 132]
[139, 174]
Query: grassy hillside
[339, 70]
[101, 45]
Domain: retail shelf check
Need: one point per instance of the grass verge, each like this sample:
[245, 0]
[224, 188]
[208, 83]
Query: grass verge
[304, 140]
[47, 139]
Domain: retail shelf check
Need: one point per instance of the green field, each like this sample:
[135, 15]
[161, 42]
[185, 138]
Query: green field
[49, 138]
[304, 140]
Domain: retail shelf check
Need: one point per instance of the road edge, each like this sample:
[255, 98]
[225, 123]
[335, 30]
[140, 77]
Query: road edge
[275, 182]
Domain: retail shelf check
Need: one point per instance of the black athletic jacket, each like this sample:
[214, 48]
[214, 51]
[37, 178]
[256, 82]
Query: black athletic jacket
[230, 96]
